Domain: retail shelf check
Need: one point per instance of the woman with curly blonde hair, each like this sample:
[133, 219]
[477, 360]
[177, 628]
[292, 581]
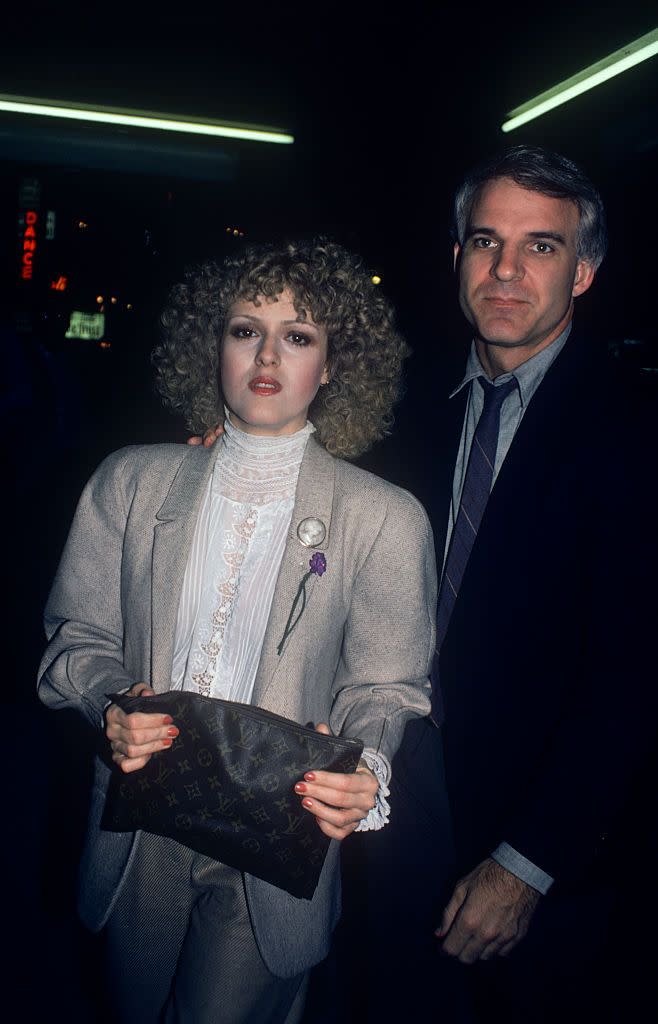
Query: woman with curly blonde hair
[329, 285]
[183, 569]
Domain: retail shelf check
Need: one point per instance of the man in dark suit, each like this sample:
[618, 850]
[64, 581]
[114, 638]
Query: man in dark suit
[543, 518]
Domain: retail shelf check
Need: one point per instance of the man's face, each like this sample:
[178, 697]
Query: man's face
[518, 269]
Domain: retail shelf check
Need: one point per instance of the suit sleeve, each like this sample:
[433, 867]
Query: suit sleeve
[388, 644]
[598, 754]
[83, 619]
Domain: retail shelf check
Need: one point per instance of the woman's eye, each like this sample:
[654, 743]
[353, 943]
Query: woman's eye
[299, 339]
[241, 331]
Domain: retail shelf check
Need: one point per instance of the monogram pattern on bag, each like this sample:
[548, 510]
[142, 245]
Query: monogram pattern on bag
[226, 788]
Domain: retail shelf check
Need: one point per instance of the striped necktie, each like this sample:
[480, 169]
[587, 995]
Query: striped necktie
[475, 494]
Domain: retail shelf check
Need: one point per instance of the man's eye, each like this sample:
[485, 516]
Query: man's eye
[542, 247]
[483, 243]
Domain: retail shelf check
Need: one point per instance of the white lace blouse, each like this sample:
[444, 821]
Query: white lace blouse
[232, 570]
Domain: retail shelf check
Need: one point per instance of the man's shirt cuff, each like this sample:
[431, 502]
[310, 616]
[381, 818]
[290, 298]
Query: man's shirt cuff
[513, 861]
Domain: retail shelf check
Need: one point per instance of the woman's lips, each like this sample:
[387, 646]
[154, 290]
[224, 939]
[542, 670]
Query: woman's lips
[264, 386]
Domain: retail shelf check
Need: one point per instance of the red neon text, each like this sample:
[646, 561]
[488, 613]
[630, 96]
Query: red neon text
[29, 244]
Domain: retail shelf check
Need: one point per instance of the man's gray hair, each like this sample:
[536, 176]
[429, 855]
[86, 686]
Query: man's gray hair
[546, 172]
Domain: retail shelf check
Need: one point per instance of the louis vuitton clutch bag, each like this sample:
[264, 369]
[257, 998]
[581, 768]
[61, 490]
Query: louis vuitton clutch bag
[226, 787]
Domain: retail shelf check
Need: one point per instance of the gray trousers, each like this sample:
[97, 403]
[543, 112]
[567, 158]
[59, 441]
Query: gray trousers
[181, 949]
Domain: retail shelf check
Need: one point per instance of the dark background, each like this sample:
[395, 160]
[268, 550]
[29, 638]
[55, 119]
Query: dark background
[388, 112]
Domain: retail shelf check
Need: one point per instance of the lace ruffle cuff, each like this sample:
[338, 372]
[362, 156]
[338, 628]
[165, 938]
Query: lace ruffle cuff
[377, 817]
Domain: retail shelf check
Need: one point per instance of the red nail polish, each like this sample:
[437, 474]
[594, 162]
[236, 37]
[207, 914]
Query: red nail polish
[173, 731]
[167, 720]
[309, 776]
[167, 743]
[300, 787]
[307, 802]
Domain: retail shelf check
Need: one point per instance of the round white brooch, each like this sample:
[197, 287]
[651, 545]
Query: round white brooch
[311, 532]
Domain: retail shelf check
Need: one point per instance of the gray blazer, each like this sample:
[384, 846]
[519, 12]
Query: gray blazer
[358, 658]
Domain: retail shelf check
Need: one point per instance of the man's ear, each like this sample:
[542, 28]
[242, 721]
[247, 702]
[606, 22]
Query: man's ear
[583, 277]
[455, 255]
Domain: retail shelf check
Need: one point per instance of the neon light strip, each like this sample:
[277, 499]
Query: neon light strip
[101, 115]
[621, 60]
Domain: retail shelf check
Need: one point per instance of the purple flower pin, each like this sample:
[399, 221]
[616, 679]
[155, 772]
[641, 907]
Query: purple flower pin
[318, 563]
[317, 566]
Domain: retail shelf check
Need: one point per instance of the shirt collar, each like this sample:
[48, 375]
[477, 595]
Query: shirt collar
[529, 375]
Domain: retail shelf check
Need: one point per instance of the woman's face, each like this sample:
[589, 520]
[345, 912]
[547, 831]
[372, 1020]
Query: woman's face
[271, 365]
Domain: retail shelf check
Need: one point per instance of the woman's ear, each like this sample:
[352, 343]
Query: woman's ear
[326, 375]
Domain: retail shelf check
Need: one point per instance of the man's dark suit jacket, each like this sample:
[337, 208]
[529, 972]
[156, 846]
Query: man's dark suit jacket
[547, 669]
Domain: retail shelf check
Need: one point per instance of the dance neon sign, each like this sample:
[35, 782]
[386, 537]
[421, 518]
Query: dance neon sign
[29, 244]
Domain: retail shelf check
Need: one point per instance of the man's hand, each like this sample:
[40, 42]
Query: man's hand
[135, 737]
[209, 437]
[339, 802]
[488, 914]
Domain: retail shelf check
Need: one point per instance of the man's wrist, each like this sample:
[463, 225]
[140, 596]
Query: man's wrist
[518, 865]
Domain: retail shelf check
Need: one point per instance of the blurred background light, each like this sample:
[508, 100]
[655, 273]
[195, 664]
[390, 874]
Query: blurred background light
[141, 119]
[614, 64]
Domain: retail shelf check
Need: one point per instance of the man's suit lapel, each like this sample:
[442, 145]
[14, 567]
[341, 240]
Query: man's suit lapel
[313, 499]
[540, 442]
[172, 538]
[546, 426]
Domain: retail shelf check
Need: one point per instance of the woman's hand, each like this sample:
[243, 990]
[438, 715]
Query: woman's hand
[135, 737]
[339, 802]
[209, 437]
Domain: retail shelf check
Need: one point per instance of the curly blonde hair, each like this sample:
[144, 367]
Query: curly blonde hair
[365, 351]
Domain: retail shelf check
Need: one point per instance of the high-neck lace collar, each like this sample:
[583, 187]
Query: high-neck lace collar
[257, 470]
